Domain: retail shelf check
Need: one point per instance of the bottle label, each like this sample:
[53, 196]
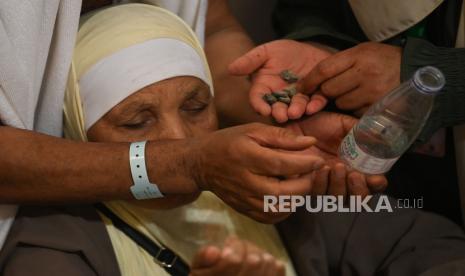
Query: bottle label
[357, 159]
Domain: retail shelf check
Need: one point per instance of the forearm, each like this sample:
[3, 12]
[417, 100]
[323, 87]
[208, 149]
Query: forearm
[225, 41]
[449, 107]
[36, 168]
[40, 169]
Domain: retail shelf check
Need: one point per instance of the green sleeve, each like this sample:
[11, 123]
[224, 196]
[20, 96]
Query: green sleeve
[449, 106]
[329, 22]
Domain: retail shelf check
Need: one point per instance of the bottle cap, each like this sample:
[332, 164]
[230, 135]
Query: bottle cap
[429, 80]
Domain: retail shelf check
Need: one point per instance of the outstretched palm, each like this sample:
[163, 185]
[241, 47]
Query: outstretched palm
[330, 129]
[266, 62]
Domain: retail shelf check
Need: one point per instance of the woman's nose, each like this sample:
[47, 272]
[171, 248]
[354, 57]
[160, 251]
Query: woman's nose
[174, 129]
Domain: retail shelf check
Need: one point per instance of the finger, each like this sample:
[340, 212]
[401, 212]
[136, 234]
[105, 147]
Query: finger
[264, 185]
[317, 103]
[279, 138]
[253, 263]
[251, 200]
[269, 262]
[279, 112]
[256, 208]
[206, 257]
[327, 69]
[272, 187]
[250, 62]
[252, 248]
[357, 184]
[376, 183]
[245, 203]
[337, 183]
[254, 211]
[276, 268]
[272, 162]
[320, 183]
[232, 256]
[257, 91]
[280, 268]
[228, 265]
[298, 106]
[296, 186]
[341, 84]
[353, 100]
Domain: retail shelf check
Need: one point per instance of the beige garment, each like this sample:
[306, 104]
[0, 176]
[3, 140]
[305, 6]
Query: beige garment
[207, 220]
[383, 19]
[185, 229]
[193, 12]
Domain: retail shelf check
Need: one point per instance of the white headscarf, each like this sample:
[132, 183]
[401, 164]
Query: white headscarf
[114, 58]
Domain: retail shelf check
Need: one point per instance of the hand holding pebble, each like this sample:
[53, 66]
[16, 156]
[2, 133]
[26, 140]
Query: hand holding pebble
[286, 95]
[273, 67]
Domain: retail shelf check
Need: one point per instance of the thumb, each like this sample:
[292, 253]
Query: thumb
[281, 138]
[250, 62]
[206, 257]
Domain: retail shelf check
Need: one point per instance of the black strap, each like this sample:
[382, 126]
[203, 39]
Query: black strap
[172, 263]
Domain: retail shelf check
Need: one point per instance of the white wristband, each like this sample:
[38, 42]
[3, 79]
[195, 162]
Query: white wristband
[142, 188]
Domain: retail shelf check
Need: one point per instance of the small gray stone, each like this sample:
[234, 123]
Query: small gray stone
[285, 100]
[270, 99]
[288, 76]
[280, 94]
[291, 90]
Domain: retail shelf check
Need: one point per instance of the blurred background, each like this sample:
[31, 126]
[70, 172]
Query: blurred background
[255, 16]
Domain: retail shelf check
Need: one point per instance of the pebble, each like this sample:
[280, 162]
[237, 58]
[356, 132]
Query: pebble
[288, 76]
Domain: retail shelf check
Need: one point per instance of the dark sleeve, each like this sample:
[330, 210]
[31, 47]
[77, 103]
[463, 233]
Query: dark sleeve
[329, 22]
[449, 107]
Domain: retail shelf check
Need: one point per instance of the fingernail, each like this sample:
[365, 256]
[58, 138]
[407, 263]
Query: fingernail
[267, 257]
[253, 259]
[227, 251]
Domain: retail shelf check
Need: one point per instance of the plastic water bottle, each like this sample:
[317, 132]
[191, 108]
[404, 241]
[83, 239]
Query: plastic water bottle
[391, 125]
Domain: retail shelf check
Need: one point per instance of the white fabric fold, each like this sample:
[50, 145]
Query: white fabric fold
[383, 19]
[36, 44]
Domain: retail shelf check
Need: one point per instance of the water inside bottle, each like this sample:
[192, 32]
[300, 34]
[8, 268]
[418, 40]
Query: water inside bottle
[381, 137]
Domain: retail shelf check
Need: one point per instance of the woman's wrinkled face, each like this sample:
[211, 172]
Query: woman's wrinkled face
[176, 108]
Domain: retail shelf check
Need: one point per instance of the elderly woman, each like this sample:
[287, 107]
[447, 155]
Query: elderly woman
[140, 74]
